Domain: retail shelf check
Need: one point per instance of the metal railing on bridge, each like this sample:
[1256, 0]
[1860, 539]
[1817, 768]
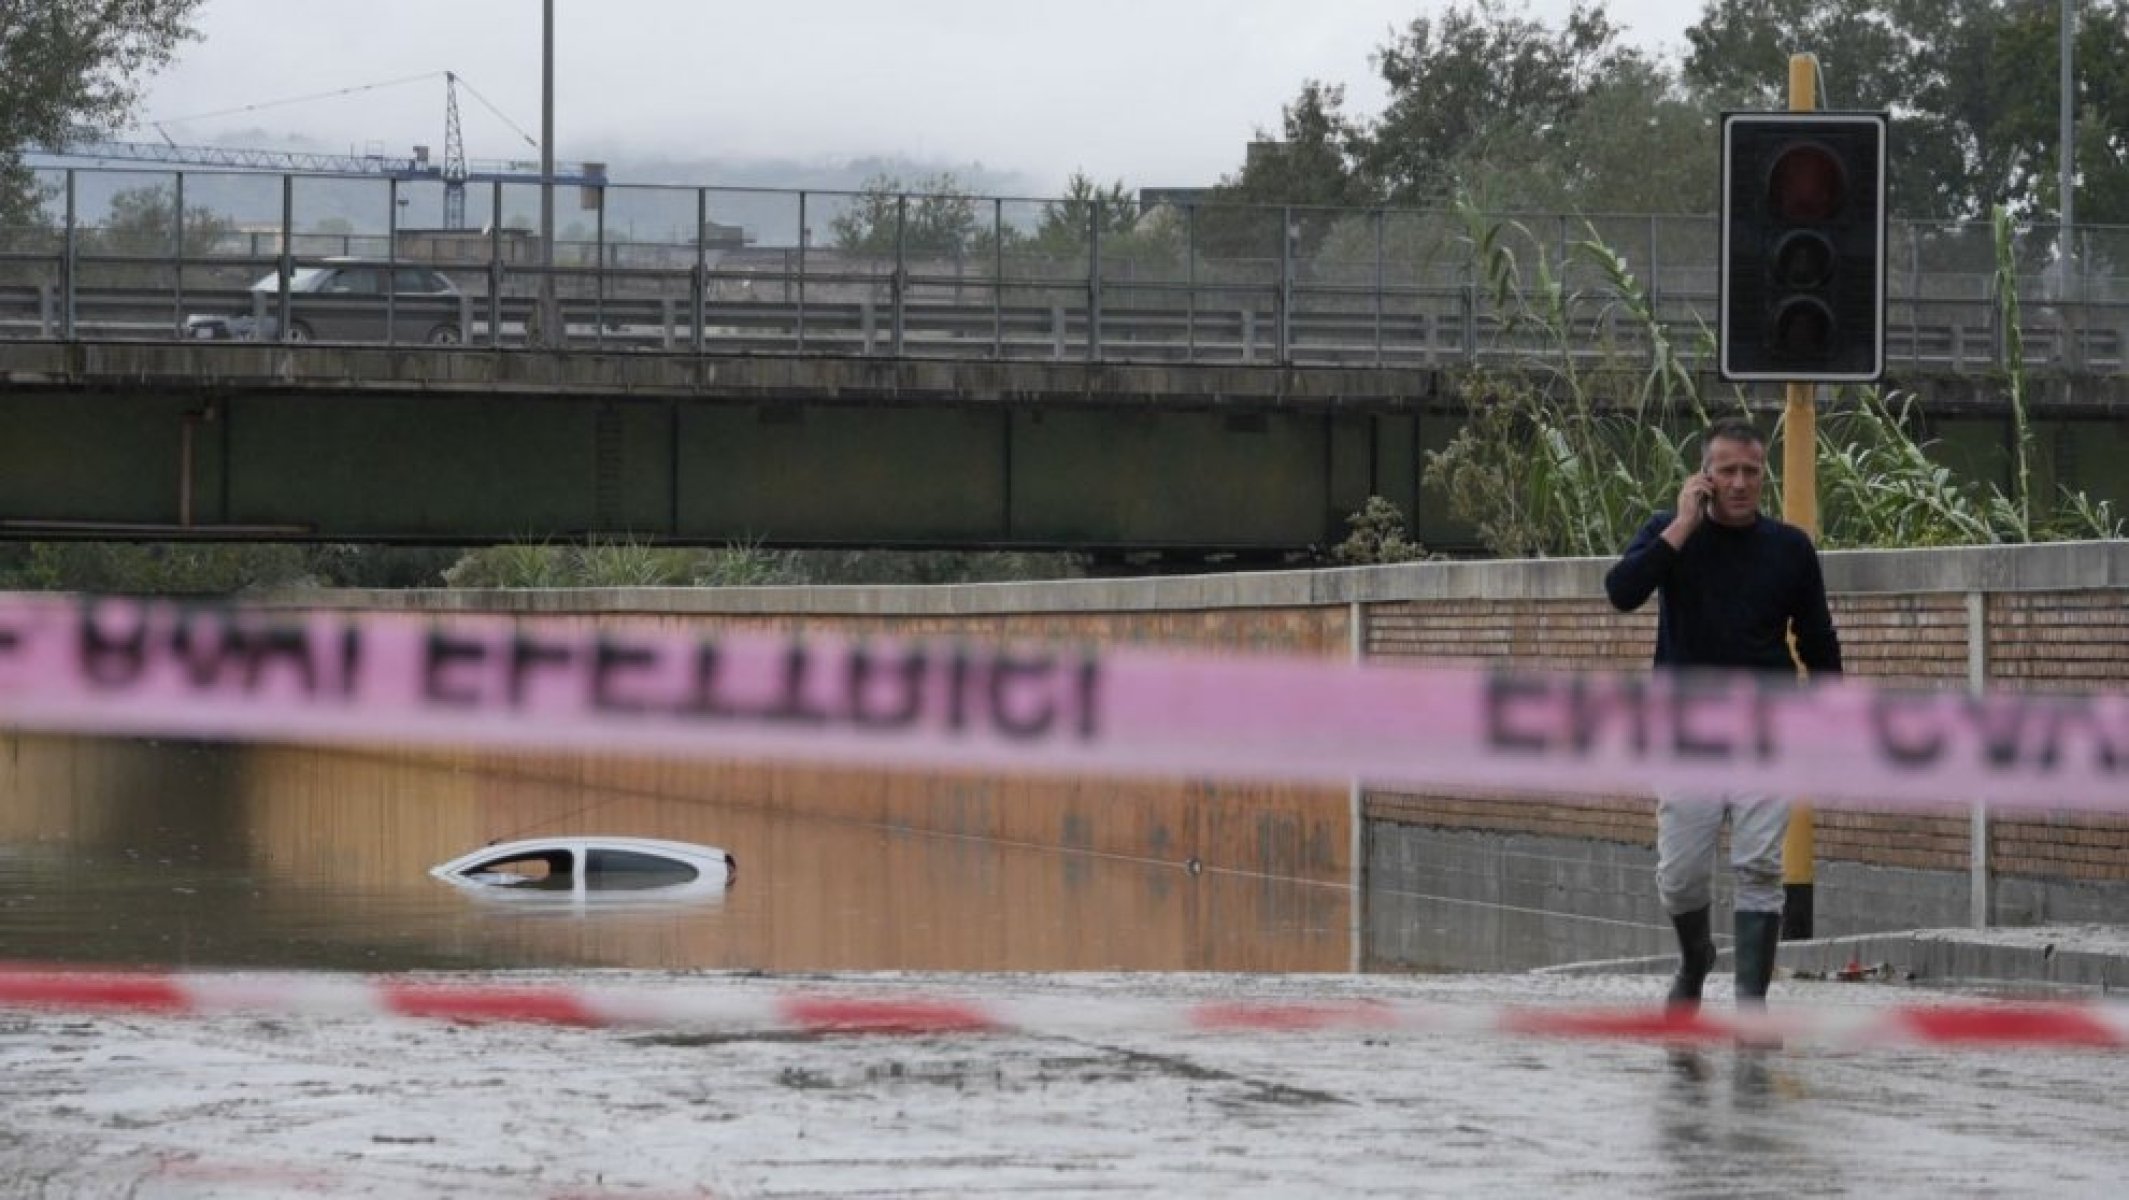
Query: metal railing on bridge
[129, 254]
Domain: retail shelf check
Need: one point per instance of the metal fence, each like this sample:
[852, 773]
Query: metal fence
[130, 254]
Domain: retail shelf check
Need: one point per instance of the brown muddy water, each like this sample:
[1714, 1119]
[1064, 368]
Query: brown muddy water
[204, 856]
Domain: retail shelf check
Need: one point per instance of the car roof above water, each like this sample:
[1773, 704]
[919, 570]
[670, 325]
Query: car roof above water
[689, 852]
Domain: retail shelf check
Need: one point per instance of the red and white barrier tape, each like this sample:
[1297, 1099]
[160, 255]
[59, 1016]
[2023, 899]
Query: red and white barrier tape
[713, 1008]
[117, 666]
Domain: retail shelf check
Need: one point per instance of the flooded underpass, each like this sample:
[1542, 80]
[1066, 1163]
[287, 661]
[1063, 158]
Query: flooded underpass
[203, 855]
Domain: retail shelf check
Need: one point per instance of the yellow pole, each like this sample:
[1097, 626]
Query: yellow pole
[1800, 507]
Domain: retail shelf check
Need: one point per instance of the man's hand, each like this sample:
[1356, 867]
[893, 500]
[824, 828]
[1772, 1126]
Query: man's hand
[1693, 501]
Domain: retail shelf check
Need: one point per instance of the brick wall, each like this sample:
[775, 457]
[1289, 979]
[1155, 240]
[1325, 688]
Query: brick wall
[1586, 634]
[2069, 639]
[2043, 638]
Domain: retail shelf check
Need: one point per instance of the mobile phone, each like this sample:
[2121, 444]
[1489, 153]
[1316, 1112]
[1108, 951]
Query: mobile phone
[1707, 498]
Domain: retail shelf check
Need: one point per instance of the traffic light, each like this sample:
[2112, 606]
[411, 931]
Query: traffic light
[1803, 246]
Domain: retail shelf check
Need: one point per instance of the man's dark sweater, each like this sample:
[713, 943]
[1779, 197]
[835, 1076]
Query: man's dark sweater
[1730, 596]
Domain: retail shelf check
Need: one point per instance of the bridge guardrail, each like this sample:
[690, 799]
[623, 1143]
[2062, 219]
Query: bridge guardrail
[1336, 288]
[1426, 329]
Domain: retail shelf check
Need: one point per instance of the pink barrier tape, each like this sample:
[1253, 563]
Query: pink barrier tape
[118, 666]
[712, 1008]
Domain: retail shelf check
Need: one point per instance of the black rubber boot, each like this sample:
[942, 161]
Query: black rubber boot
[1758, 933]
[1696, 957]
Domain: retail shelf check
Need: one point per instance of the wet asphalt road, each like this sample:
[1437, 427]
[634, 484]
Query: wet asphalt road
[306, 1105]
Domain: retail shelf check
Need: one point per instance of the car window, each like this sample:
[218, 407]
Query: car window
[627, 870]
[542, 870]
[305, 279]
[355, 281]
[414, 279]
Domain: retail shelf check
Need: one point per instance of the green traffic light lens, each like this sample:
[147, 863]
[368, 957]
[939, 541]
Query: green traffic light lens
[1803, 329]
[1806, 184]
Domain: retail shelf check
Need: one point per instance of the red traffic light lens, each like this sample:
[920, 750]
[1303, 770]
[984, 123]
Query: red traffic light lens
[1803, 329]
[1803, 259]
[1806, 184]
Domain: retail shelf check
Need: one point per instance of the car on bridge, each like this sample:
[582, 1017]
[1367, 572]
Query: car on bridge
[345, 300]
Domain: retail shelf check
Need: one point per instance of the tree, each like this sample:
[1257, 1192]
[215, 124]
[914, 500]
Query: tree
[2030, 117]
[74, 64]
[937, 217]
[143, 223]
[1976, 84]
[1086, 205]
[1315, 160]
[1476, 75]
[1315, 164]
[1636, 142]
[1131, 244]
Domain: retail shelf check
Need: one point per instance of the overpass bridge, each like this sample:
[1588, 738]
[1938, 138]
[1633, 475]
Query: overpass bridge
[1110, 399]
[154, 440]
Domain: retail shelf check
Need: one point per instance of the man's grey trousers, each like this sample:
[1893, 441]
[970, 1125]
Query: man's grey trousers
[1687, 826]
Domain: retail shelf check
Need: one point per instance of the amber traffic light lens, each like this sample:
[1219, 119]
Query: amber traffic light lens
[1806, 184]
[1803, 260]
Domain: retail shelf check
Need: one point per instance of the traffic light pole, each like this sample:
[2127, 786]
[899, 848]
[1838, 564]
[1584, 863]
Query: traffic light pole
[1800, 507]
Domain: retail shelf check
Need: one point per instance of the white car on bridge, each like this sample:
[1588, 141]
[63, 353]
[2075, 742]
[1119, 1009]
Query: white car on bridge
[345, 300]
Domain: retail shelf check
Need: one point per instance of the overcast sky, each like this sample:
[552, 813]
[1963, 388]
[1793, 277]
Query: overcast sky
[1153, 92]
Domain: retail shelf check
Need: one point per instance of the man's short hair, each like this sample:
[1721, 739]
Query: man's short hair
[1731, 429]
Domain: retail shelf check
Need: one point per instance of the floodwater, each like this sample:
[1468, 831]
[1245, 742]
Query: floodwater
[182, 854]
[220, 856]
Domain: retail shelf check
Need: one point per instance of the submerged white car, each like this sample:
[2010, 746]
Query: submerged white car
[588, 868]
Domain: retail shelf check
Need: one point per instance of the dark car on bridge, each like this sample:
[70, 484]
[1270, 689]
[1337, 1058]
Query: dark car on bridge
[345, 300]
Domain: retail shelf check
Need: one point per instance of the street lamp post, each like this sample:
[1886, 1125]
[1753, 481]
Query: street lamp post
[550, 316]
[2067, 133]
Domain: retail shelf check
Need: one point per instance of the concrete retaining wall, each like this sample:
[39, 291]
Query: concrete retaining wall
[1442, 899]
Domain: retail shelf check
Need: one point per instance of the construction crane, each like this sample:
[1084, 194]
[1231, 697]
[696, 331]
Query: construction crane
[454, 172]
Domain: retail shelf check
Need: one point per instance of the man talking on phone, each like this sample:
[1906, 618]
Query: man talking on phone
[1734, 585]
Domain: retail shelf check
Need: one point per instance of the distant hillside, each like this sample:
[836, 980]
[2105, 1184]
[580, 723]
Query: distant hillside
[848, 175]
